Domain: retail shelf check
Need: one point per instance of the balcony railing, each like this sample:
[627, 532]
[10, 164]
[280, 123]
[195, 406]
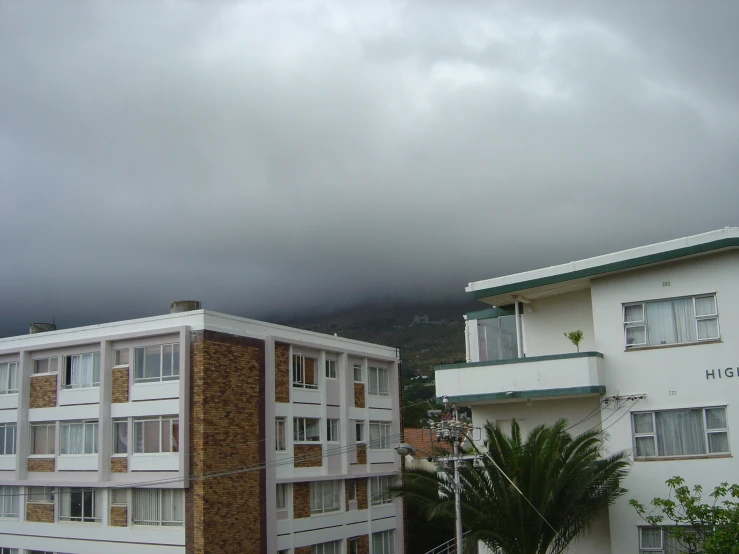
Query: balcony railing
[577, 374]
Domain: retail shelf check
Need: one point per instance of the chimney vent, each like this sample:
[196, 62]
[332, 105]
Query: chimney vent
[179, 306]
[41, 327]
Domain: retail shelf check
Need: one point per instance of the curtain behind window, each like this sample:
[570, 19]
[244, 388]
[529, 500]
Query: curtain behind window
[680, 432]
[671, 321]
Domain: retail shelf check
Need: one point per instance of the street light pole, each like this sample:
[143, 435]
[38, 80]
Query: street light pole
[457, 495]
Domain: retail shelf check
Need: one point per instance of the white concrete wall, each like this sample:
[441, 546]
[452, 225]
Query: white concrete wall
[546, 320]
[671, 377]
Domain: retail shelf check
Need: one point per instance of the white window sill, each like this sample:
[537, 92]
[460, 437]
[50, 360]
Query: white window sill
[157, 526]
[119, 455]
[120, 366]
[44, 374]
[135, 454]
[9, 393]
[42, 456]
[93, 387]
[152, 383]
[70, 522]
[674, 345]
[84, 455]
[42, 502]
[687, 457]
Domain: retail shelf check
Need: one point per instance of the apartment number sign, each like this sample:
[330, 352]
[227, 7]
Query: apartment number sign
[728, 372]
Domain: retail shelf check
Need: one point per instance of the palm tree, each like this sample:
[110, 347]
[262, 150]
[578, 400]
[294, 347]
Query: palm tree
[563, 477]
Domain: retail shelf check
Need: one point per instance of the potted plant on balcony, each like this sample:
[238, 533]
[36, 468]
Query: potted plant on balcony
[575, 338]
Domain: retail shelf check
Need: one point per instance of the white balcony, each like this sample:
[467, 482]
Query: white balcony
[578, 374]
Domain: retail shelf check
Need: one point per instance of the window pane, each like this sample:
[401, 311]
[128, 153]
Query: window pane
[166, 361]
[718, 442]
[680, 432]
[176, 360]
[166, 435]
[152, 363]
[121, 437]
[634, 313]
[671, 321]
[651, 537]
[716, 418]
[312, 431]
[151, 436]
[645, 447]
[41, 366]
[121, 356]
[119, 496]
[705, 305]
[708, 328]
[139, 363]
[643, 423]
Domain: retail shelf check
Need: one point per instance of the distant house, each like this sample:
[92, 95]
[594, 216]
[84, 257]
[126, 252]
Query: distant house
[420, 439]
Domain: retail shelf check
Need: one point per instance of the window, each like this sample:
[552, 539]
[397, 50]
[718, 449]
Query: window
[383, 542]
[120, 357]
[357, 373]
[351, 489]
[305, 429]
[282, 494]
[681, 432]
[333, 547]
[41, 494]
[325, 496]
[352, 546]
[165, 507]
[673, 321]
[82, 371]
[9, 378]
[359, 431]
[157, 363]
[280, 434]
[497, 338]
[379, 487]
[119, 497]
[379, 435]
[14, 551]
[304, 372]
[658, 540]
[44, 365]
[331, 369]
[378, 381]
[120, 436]
[43, 437]
[156, 434]
[79, 437]
[80, 504]
[9, 502]
[7, 438]
[332, 430]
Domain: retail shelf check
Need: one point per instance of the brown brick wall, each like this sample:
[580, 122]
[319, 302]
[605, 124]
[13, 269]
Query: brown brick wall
[227, 430]
[120, 385]
[359, 395]
[308, 455]
[303, 550]
[301, 500]
[282, 372]
[361, 454]
[41, 464]
[40, 513]
[362, 494]
[119, 516]
[42, 392]
[363, 544]
[119, 465]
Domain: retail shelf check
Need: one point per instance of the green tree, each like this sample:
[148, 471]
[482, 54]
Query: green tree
[575, 338]
[710, 528]
[564, 478]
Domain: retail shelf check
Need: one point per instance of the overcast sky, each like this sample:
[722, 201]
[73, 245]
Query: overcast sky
[276, 157]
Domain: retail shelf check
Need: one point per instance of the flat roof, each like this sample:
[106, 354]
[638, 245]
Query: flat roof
[572, 276]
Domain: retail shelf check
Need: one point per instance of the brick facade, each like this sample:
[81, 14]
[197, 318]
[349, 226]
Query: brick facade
[282, 372]
[40, 512]
[361, 454]
[120, 385]
[362, 544]
[308, 455]
[119, 516]
[42, 392]
[41, 464]
[227, 431]
[303, 550]
[301, 500]
[362, 494]
[359, 395]
[119, 465]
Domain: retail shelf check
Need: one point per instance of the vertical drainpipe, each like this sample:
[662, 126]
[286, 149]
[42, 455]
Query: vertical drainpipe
[519, 338]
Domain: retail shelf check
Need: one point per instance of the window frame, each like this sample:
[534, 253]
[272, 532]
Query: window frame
[161, 502]
[68, 381]
[4, 441]
[705, 430]
[377, 389]
[10, 386]
[644, 322]
[663, 535]
[65, 431]
[298, 373]
[336, 495]
[332, 430]
[65, 495]
[48, 360]
[351, 489]
[282, 492]
[116, 423]
[388, 542]
[380, 490]
[174, 444]
[9, 501]
[385, 430]
[280, 434]
[359, 431]
[331, 369]
[175, 362]
[47, 495]
[301, 424]
[358, 368]
[33, 442]
[117, 361]
[322, 548]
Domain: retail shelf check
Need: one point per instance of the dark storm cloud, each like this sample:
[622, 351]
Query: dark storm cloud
[269, 157]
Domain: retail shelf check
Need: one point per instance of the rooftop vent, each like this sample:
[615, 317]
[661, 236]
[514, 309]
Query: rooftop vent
[179, 306]
[41, 327]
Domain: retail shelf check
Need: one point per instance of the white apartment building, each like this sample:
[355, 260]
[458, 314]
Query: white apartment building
[197, 432]
[657, 368]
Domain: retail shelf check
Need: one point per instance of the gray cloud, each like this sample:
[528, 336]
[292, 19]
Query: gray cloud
[269, 157]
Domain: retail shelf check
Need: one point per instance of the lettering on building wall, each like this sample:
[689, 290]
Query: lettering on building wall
[729, 372]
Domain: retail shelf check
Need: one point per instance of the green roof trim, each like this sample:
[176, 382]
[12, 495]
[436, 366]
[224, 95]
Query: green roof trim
[522, 360]
[491, 313]
[525, 394]
[609, 268]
